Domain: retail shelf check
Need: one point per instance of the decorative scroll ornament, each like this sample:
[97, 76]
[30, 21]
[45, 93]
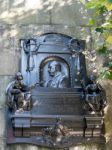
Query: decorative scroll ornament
[30, 47]
[57, 134]
[76, 48]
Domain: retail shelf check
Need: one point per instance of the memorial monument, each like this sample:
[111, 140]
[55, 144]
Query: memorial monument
[52, 102]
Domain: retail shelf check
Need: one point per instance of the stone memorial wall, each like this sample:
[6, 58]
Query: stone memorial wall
[29, 18]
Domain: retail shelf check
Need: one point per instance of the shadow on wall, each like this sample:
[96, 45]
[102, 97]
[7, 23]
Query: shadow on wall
[70, 12]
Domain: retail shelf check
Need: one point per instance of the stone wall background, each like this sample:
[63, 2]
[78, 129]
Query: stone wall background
[28, 18]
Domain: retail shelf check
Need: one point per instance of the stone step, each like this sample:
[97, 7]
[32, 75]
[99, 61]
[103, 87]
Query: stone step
[94, 121]
[53, 101]
[41, 121]
[93, 132]
[38, 90]
[50, 122]
[76, 124]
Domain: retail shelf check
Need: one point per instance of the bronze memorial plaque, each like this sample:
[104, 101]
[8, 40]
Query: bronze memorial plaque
[52, 102]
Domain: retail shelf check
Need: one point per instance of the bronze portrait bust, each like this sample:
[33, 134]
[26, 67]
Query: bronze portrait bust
[58, 78]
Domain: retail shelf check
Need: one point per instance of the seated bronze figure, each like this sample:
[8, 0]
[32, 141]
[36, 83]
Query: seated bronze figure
[95, 99]
[52, 102]
[19, 96]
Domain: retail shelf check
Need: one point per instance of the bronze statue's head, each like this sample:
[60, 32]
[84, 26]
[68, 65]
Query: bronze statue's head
[93, 78]
[19, 76]
[54, 67]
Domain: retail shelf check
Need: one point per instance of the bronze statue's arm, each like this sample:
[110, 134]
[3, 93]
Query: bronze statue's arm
[36, 84]
[15, 91]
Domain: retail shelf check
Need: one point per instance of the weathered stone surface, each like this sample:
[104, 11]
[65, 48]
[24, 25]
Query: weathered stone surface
[9, 63]
[2, 123]
[69, 13]
[10, 35]
[30, 11]
[27, 147]
[86, 147]
[4, 80]
[33, 30]
[14, 4]
[2, 143]
[3, 6]
[44, 12]
[107, 84]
